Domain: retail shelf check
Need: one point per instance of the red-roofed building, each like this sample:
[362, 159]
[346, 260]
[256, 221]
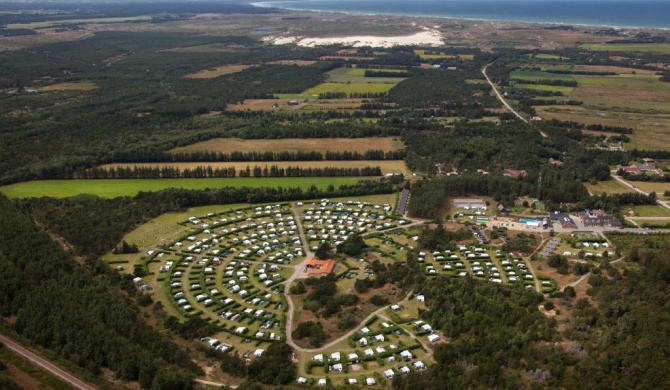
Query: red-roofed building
[316, 267]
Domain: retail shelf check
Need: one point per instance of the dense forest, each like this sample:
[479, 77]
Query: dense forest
[79, 311]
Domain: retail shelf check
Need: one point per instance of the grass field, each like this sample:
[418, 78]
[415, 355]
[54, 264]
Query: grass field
[295, 144]
[349, 88]
[659, 188]
[361, 71]
[607, 187]
[85, 86]
[130, 187]
[218, 71]
[357, 76]
[648, 47]
[624, 80]
[544, 56]
[538, 75]
[553, 88]
[597, 68]
[79, 21]
[651, 211]
[387, 166]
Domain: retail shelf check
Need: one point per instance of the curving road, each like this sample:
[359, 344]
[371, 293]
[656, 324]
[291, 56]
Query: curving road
[44, 364]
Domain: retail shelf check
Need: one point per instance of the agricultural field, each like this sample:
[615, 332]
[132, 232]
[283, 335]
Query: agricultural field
[45, 24]
[663, 48]
[348, 88]
[217, 71]
[81, 86]
[357, 76]
[129, 187]
[294, 145]
[659, 188]
[607, 187]
[566, 91]
[538, 75]
[387, 166]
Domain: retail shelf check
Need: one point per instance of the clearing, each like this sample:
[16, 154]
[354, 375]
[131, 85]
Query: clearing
[129, 187]
[349, 88]
[294, 145]
[84, 86]
[217, 71]
[648, 47]
[607, 187]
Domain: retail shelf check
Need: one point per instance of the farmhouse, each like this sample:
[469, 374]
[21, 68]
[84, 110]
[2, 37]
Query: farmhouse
[316, 267]
[599, 218]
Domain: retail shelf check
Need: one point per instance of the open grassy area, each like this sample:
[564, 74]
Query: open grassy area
[349, 88]
[659, 188]
[387, 166]
[294, 144]
[651, 211]
[538, 75]
[361, 71]
[83, 86]
[544, 56]
[131, 187]
[607, 187]
[79, 21]
[552, 88]
[624, 80]
[217, 71]
[639, 47]
[357, 76]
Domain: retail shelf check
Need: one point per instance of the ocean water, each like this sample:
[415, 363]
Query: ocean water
[614, 13]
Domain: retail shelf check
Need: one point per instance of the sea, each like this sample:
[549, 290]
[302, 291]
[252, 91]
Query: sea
[608, 13]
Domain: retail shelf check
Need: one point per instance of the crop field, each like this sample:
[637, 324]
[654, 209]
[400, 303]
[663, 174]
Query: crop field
[545, 56]
[624, 80]
[598, 68]
[218, 71]
[349, 88]
[538, 75]
[387, 166]
[552, 88]
[361, 71]
[294, 145]
[357, 76]
[130, 187]
[607, 187]
[83, 86]
[634, 47]
[437, 56]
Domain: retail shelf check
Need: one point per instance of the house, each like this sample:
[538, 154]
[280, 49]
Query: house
[315, 267]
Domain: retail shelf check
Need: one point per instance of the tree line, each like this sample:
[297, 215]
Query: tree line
[237, 156]
[207, 171]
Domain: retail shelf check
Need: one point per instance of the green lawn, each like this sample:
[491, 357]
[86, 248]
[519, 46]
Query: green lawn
[651, 211]
[361, 71]
[130, 187]
[357, 76]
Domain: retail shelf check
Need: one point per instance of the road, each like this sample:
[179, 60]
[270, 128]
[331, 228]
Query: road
[504, 102]
[627, 184]
[44, 364]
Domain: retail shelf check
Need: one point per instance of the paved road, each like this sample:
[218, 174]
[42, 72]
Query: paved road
[627, 184]
[504, 102]
[44, 364]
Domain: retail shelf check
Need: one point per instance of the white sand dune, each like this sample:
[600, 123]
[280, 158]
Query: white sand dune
[423, 38]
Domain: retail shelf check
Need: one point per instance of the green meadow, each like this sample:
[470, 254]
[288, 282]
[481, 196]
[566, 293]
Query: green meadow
[130, 187]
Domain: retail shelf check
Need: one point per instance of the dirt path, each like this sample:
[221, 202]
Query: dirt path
[44, 364]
